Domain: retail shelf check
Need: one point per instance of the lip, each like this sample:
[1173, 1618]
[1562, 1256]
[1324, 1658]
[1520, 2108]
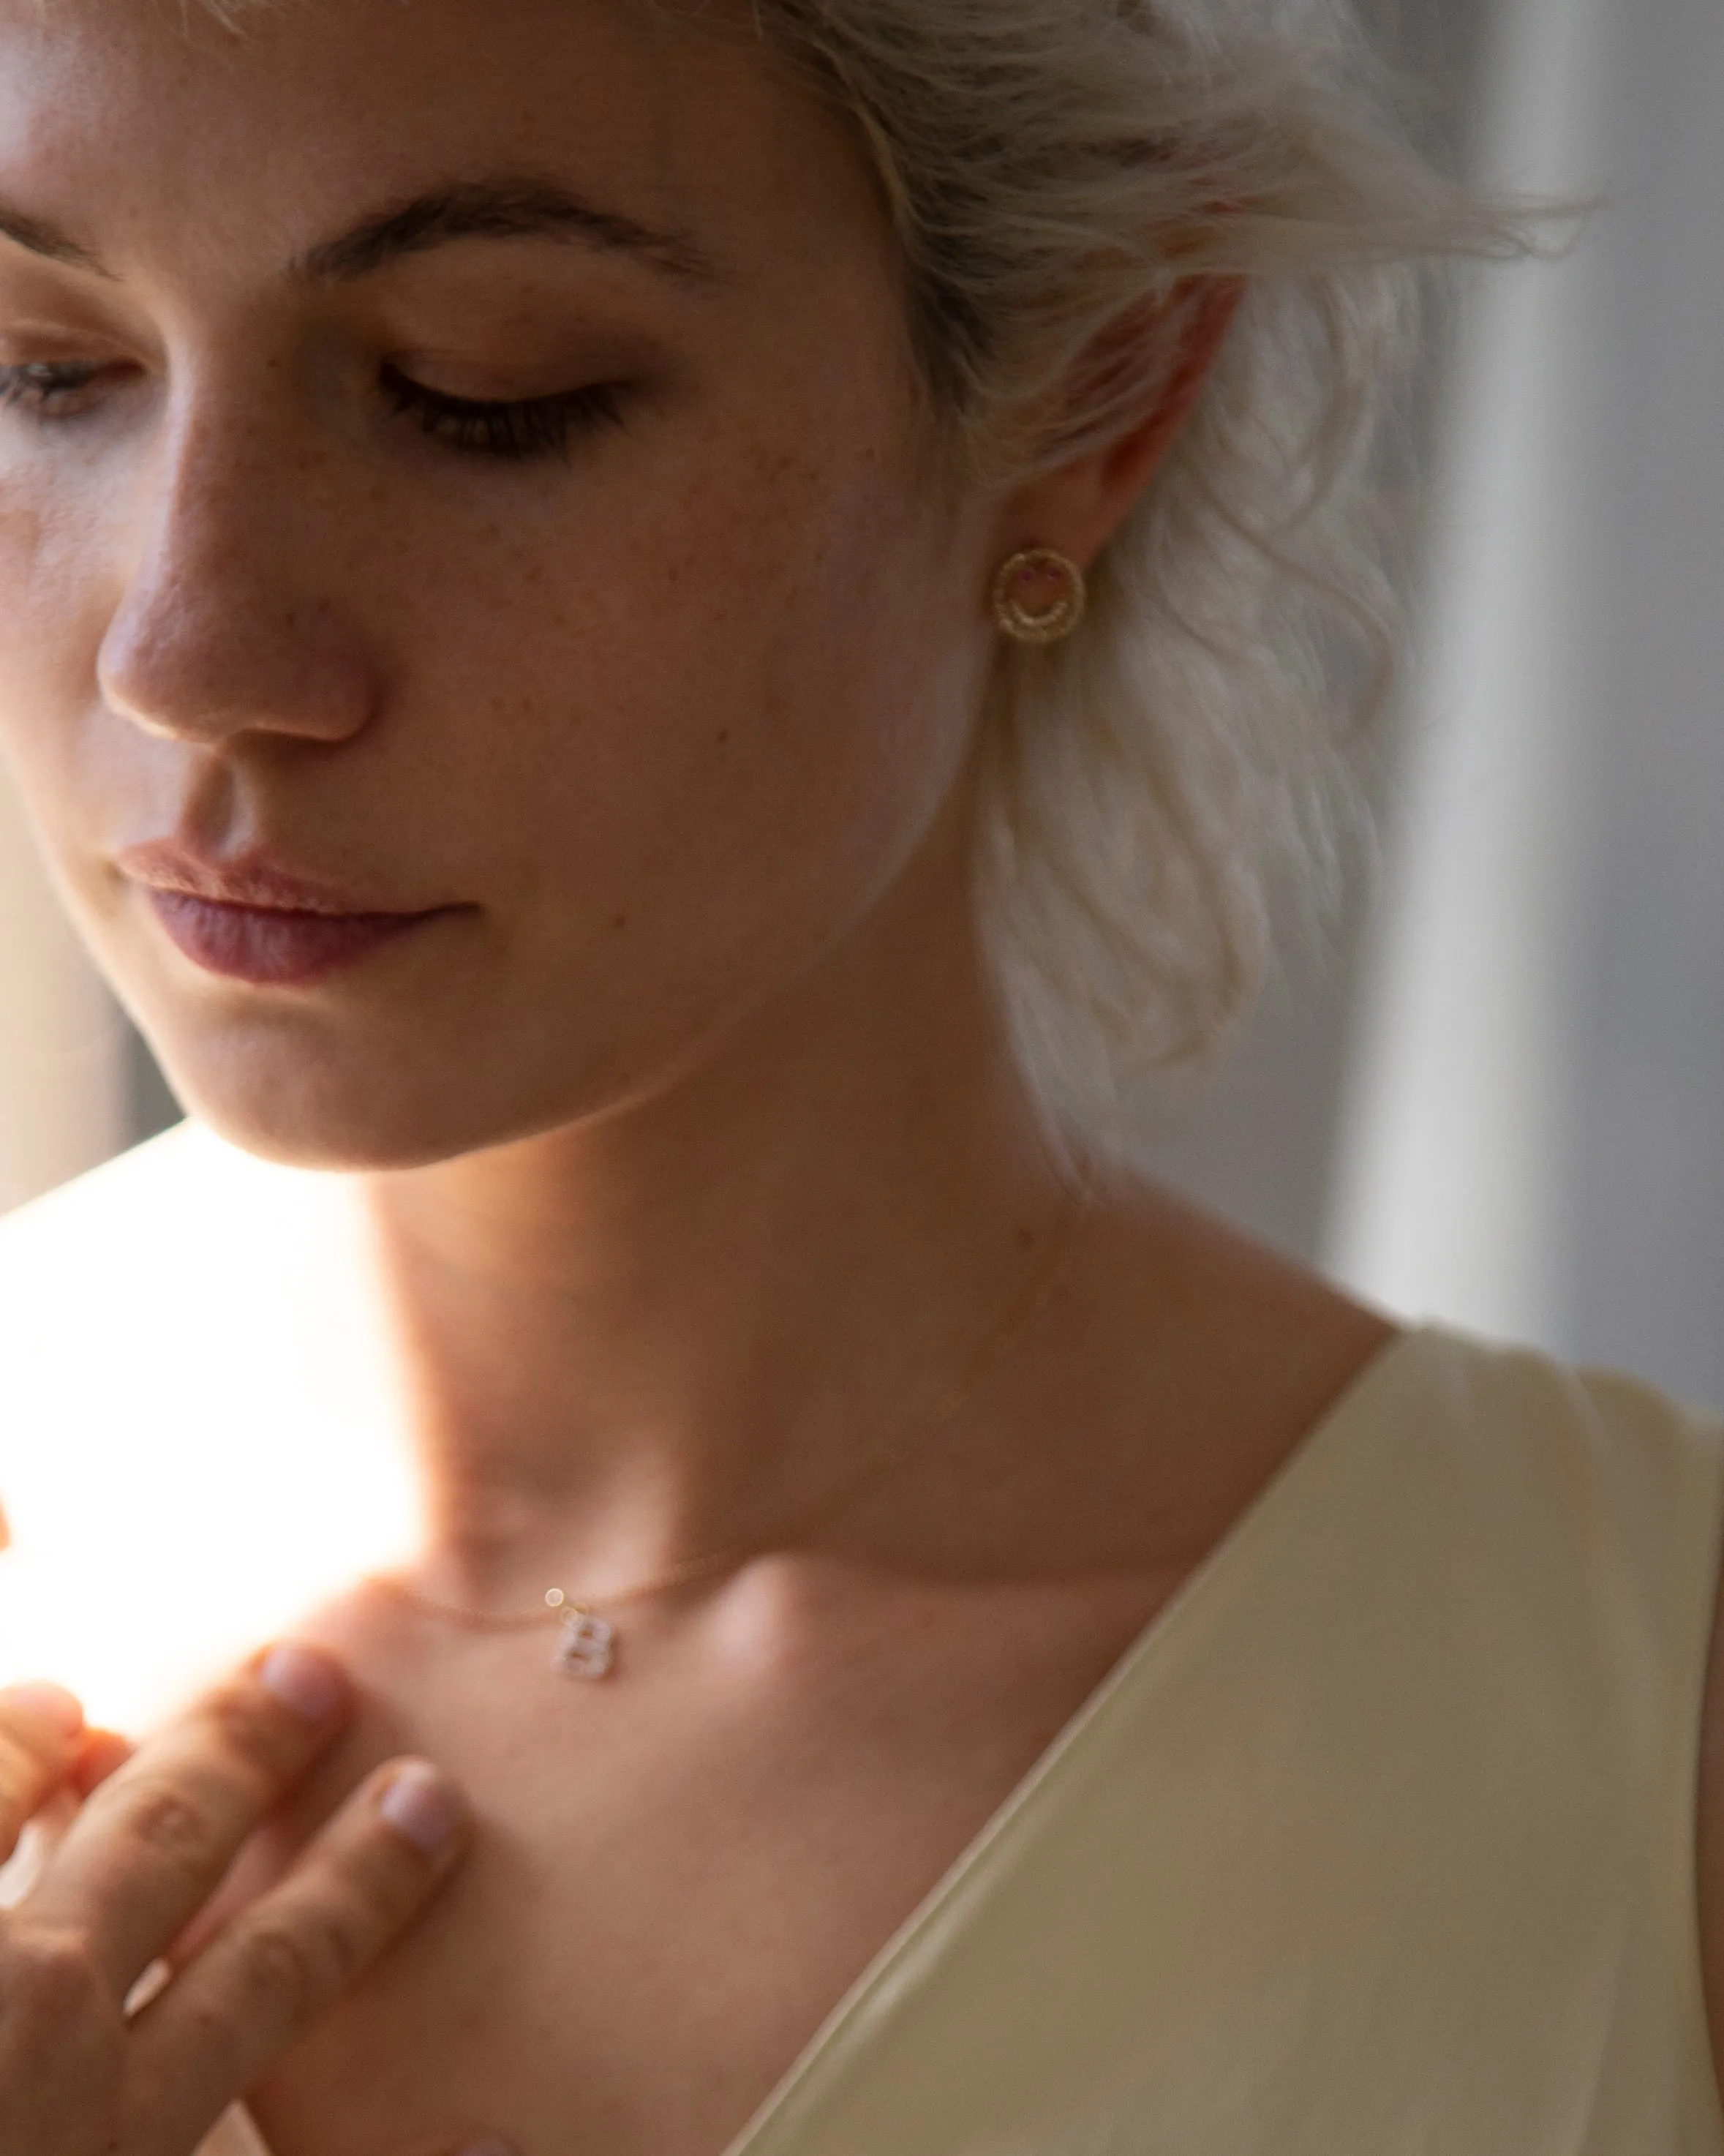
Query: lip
[256, 879]
[258, 919]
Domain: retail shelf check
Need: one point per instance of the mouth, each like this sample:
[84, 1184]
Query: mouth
[261, 922]
[272, 946]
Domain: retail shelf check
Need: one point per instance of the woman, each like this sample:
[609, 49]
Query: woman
[670, 635]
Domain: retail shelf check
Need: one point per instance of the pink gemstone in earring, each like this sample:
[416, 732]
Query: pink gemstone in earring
[1050, 578]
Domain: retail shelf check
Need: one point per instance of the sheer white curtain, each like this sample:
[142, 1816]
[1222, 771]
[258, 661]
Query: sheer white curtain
[1534, 1130]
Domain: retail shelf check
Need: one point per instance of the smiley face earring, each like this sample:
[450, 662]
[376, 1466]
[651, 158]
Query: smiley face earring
[1039, 597]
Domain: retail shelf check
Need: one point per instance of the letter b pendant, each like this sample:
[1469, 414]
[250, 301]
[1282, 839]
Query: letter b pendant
[586, 1647]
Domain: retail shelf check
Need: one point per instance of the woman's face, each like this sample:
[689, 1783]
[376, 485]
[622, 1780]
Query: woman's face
[459, 474]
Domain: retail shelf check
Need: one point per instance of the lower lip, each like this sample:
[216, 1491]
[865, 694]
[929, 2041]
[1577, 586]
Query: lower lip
[272, 948]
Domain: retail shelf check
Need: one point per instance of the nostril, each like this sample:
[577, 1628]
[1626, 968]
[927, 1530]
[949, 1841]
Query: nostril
[207, 662]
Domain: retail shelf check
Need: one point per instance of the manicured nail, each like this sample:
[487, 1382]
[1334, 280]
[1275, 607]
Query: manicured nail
[304, 1680]
[50, 1704]
[421, 1804]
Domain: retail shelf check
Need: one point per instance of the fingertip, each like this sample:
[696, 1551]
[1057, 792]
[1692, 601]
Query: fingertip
[307, 1681]
[50, 1706]
[425, 1806]
[102, 1753]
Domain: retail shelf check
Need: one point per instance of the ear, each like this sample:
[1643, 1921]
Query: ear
[1077, 509]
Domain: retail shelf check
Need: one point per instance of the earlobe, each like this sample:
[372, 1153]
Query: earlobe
[1039, 597]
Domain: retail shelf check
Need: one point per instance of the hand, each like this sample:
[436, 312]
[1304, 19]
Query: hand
[146, 1852]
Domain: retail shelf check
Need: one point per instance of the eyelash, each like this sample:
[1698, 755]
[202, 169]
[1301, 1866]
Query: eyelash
[513, 431]
[529, 426]
[34, 386]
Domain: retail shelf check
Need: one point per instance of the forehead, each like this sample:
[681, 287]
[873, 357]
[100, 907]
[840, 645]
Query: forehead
[151, 118]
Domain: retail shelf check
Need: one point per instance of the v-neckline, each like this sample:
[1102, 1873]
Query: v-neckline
[1038, 1788]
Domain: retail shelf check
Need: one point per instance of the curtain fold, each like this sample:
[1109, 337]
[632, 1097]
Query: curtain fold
[1535, 1119]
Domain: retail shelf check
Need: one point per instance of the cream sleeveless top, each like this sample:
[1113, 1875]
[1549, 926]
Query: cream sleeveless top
[1378, 1842]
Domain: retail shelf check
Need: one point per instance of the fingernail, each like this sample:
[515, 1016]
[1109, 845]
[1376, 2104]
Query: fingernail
[421, 1804]
[492, 2147]
[50, 1704]
[304, 1680]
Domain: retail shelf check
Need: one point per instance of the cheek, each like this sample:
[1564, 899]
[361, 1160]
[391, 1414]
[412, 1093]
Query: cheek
[673, 732]
[732, 722]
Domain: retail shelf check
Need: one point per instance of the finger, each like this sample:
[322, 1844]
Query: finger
[154, 1841]
[286, 1959]
[40, 1728]
[101, 1752]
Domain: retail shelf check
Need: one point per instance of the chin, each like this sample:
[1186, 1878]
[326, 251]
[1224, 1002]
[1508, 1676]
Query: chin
[332, 1129]
[334, 1143]
[353, 1113]
[358, 1085]
[353, 1106]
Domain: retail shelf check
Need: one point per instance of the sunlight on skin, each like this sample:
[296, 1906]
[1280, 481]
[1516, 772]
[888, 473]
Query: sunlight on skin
[223, 1456]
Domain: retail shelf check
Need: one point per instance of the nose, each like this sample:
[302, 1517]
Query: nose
[229, 622]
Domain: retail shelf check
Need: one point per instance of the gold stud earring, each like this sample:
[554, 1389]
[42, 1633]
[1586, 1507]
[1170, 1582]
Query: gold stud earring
[1039, 597]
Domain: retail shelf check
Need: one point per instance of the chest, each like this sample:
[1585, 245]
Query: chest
[680, 1871]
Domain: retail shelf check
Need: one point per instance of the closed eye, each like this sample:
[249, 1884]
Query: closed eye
[517, 429]
[53, 389]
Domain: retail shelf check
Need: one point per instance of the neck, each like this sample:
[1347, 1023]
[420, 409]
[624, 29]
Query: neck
[666, 1330]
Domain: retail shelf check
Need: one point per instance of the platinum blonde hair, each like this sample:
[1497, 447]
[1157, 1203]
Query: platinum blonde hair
[1065, 176]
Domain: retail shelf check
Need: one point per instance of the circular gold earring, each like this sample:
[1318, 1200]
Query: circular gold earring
[1039, 597]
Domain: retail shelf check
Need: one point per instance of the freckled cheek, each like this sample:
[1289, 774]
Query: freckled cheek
[707, 719]
[749, 612]
[804, 638]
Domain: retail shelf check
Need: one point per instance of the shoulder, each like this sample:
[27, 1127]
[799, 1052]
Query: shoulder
[1611, 1478]
[1600, 1424]
[1629, 1485]
[1599, 1498]
[1523, 1414]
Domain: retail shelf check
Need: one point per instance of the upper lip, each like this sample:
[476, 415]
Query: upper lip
[254, 879]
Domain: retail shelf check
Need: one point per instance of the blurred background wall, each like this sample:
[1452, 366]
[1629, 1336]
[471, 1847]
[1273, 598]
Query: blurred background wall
[1498, 1097]
[63, 1104]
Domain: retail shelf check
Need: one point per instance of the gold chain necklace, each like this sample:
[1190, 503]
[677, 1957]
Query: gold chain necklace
[587, 1643]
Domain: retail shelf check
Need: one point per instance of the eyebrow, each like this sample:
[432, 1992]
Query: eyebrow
[474, 209]
[500, 209]
[46, 239]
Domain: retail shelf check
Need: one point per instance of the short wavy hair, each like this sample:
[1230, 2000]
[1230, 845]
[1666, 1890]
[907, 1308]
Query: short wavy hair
[1065, 175]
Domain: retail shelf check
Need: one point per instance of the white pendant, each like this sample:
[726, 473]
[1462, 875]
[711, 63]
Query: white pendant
[586, 1647]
